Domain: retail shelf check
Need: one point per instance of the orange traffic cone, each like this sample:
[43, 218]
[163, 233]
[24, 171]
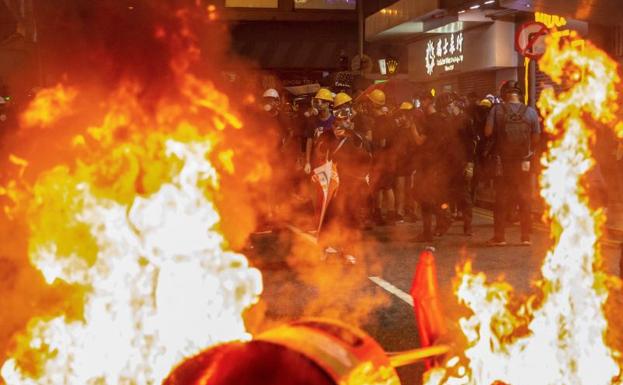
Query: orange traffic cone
[426, 305]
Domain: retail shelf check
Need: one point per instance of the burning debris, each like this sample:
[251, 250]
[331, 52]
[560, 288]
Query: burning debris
[126, 188]
[311, 352]
[121, 216]
[557, 337]
[153, 294]
[123, 219]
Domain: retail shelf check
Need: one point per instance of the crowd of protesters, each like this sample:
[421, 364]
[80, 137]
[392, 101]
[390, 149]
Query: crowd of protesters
[419, 159]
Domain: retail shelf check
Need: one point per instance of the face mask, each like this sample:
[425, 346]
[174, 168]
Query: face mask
[380, 111]
[400, 121]
[343, 113]
[2, 117]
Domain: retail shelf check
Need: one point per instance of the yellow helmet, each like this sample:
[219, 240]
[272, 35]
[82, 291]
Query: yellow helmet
[341, 98]
[377, 97]
[324, 94]
[485, 103]
[406, 106]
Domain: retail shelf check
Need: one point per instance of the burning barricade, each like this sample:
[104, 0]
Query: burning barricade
[126, 220]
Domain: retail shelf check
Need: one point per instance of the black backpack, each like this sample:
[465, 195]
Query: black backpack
[513, 135]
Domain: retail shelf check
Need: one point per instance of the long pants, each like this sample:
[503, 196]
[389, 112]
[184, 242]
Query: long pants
[512, 181]
[432, 191]
[348, 202]
[442, 218]
[461, 194]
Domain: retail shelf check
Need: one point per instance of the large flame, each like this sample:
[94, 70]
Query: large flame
[129, 225]
[558, 336]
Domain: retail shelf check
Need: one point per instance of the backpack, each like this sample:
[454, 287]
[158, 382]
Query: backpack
[513, 138]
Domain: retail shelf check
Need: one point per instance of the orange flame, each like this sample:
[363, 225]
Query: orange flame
[557, 336]
[50, 105]
[131, 227]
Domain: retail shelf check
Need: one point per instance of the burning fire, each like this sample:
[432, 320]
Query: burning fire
[130, 226]
[557, 336]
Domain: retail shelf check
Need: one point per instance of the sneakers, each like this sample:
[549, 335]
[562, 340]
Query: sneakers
[526, 242]
[496, 242]
[399, 219]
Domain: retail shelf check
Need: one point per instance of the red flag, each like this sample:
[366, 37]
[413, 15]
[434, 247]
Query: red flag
[327, 181]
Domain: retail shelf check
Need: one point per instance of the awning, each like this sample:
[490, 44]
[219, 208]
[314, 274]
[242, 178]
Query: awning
[408, 18]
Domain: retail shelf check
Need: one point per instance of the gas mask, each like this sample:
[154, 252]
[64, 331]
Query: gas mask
[271, 106]
[321, 105]
[400, 120]
[380, 111]
[344, 113]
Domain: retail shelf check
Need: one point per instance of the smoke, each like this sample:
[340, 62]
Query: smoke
[122, 75]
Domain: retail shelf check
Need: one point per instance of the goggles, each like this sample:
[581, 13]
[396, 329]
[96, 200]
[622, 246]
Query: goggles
[343, 113]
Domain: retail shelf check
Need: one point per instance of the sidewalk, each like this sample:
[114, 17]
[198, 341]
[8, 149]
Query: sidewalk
[614, 222]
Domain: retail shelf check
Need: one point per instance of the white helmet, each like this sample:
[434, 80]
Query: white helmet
[271, 93]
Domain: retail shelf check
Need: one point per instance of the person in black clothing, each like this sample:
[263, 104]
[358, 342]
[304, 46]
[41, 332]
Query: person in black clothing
[352, 155]
[431, 185]
[319, 123]
[401, 157]
[516, 129]
[373, 124]
[459, 160]
[483, 159]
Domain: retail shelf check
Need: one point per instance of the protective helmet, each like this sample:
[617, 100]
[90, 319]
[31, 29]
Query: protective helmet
[406, 106]
[485, 103]
[510, 86]
[377, 97]
[271, 93]
[341, 98]
[324, 94]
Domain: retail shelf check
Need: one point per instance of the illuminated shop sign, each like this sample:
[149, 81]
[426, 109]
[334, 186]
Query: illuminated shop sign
[444, 52]
[550, 21]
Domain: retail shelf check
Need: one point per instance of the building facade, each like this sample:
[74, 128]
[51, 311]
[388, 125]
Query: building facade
[469, 46]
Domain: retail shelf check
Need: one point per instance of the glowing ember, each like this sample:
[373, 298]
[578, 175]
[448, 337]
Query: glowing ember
[560, 340]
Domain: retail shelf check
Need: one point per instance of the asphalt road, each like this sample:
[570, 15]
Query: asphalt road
[298, 283]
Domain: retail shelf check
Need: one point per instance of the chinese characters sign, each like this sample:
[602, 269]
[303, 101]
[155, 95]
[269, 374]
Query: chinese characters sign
[444, 52]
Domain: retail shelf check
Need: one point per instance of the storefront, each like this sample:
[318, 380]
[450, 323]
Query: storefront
[474, 60]
[470, 49]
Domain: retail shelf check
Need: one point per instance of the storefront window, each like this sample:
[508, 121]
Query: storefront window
[252, 3]
[325, 4]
